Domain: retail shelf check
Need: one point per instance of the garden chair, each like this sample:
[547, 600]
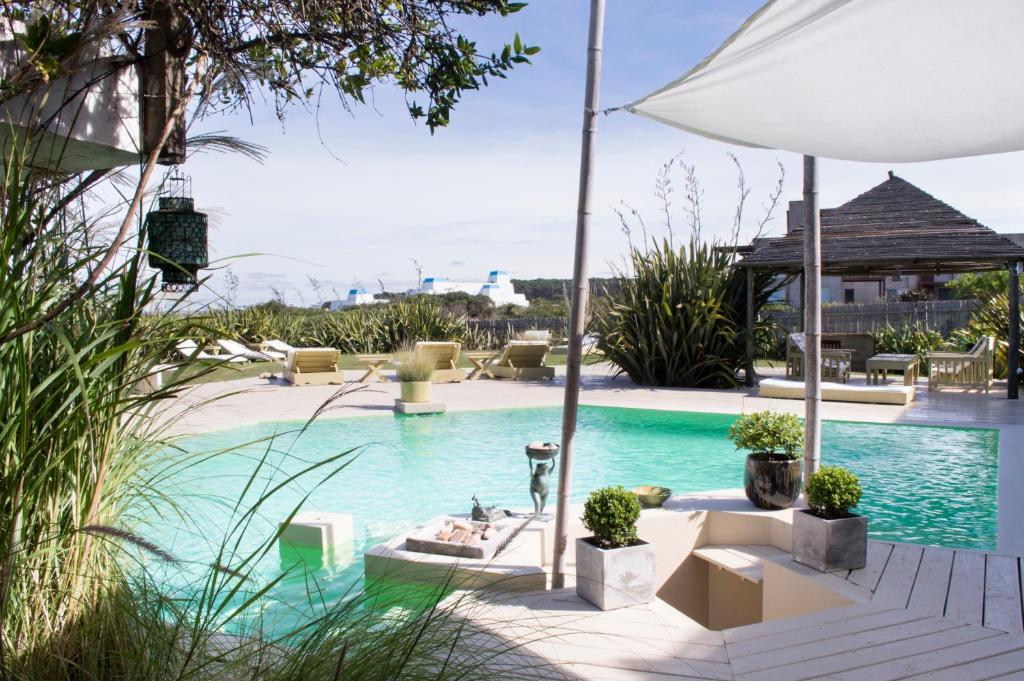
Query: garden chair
[313, 366]
[188, 349]
[523, 359]
[974, 369]
[236, 349]
[445, 356]
[835, 362]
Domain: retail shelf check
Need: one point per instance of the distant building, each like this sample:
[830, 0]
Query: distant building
[498, 288]
[356, 296]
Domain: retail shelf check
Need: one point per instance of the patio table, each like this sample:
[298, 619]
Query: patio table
[877, 365]
[374, 365]
[481, 361]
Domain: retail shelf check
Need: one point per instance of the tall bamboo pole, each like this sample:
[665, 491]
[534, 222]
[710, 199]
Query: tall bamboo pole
[580, 291]
[812, 318]
[1013, 354]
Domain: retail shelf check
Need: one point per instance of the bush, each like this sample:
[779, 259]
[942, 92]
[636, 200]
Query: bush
[413, 368]
[992, 318]
[832, 491]
[909, 339]
[611, 514]
[768, 435]
[679, 318]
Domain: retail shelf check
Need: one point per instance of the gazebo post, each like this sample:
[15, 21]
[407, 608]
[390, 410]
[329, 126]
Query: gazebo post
[1013, 352]
[750, 328]
[803, 302]
[812, 319]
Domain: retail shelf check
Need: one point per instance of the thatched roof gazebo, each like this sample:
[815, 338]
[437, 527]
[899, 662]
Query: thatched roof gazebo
[894, 228]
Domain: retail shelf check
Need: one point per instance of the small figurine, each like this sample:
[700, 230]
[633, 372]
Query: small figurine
[486, 515]
[540, 485]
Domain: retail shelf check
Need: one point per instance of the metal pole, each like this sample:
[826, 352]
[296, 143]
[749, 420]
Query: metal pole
[812, 319]
[750, 328]
[1013, 352]
[580, 292]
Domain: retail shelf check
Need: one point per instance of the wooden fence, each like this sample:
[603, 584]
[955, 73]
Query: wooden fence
[941, 315]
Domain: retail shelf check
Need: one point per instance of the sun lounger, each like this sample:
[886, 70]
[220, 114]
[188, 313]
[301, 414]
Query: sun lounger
[313, 366]
[238, 350]
[839, 392]
[523, 359]
[536, 335]
[189, 350]
[277, 346]
[445, 356]
[972, 369]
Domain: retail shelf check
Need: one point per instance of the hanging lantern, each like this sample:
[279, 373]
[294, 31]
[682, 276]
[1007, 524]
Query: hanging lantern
[177, 237]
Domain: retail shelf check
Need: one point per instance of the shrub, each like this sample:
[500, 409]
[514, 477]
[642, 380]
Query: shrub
[679, 317]
[992, 318]
[908, 339]
[768, 435]
[413, 368]
[832, 491]
[611, 514]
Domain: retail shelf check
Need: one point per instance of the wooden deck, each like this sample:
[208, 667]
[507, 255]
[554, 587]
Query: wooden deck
[931, 613]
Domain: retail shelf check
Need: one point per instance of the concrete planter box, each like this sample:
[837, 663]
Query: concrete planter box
[416, 391]
[830, 545]
[614, 578]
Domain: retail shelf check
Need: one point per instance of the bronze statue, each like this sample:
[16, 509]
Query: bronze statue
[486, 515]
[540, 485]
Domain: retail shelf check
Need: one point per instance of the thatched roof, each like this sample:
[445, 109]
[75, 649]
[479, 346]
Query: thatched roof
[894, 227]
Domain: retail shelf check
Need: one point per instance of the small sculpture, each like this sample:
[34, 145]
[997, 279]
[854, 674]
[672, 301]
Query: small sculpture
[540, 485]
[486, 515]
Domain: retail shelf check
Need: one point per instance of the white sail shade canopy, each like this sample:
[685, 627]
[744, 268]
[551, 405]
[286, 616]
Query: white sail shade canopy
[861, 80]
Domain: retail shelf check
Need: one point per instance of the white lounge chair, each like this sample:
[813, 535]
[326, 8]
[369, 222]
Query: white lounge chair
[277, 346]
[188, 349]
[238, 350]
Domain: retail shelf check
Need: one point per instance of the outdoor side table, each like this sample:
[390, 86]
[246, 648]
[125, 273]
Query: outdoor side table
[910, 365]
[481, 361]
[374, 365]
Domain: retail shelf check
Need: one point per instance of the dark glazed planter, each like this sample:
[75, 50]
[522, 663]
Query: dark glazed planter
[772, 484]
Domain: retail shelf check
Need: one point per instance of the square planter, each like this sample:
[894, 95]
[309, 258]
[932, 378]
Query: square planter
[614, 578]
[830, 545]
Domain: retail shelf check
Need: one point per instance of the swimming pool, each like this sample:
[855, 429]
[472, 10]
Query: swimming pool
[927, 485]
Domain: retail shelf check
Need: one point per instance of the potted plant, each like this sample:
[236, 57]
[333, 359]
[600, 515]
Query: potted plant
[772, 475]
[827, 536]
[414, 372]
[613, 568]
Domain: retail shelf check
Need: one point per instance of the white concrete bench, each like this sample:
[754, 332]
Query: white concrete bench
[743, 560]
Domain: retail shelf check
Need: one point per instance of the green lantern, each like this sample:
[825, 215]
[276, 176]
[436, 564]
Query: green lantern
[177, 242]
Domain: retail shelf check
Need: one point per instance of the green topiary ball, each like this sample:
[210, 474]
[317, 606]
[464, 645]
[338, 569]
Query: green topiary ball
[611, 514]
[768, 435]
[832, 492]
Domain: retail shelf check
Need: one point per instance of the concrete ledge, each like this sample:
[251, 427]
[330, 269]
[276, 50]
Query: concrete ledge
[420, 407]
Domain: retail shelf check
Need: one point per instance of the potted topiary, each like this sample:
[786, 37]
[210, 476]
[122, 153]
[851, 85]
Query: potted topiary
[613, 568]
[414, 371]
[827, 536]
[772, 475]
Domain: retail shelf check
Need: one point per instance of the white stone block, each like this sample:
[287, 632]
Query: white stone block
[318, 530]
[419, 407]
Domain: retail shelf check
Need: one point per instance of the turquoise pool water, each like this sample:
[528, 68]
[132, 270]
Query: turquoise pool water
[922, 484]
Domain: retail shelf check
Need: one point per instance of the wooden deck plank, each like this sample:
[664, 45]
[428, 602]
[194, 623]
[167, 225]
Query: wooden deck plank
[899, 575]
[817, 667]
[932, 584]
[850, 642]
[966, 598]
[822, 631]
[993, 667]
[868, 576]
[751, 631]
[994, 643]
[1002, 593]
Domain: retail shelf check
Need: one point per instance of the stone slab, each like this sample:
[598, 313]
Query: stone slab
[420, 407]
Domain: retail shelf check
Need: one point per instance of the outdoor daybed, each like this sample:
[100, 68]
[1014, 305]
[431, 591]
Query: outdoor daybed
[836, 392]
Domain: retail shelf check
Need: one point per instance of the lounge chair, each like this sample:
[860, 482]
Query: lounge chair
[835, 362]
[972, 369]
[536, 335]
[238, 350]
[445, 356]
[523, 359]
[277, 346]
[313, 366]
[188, 349]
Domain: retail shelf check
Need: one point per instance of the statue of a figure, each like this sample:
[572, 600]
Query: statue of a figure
[486, 515]
[540, 485]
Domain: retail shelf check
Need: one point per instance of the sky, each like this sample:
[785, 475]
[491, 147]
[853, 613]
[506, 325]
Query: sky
[353, 198]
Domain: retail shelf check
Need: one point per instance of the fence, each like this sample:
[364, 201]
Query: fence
[941, 315]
